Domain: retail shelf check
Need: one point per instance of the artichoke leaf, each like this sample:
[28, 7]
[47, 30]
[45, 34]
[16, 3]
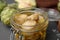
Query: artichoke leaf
[6, 14]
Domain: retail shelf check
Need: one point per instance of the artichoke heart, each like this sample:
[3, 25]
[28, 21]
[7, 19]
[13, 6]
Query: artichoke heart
[2, 5]
[6, 14]
[26, 4]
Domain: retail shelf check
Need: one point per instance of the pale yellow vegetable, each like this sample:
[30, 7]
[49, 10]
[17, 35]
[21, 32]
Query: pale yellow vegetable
[26, 3]
[6, 14]
[33, 16]
[28, 24]
[20, 18]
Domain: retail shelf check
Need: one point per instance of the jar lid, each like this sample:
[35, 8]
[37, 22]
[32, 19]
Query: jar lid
[53, 15]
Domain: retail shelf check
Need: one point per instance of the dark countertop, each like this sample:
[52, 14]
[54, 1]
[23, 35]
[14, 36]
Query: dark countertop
[4, 32]
[52, 31]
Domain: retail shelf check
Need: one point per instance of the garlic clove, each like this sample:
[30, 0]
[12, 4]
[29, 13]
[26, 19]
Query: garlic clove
[29, 24]
[33, 16]
[19, 19]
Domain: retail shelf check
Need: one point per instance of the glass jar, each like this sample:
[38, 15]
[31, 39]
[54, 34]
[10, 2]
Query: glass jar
[35, 28]
[53, 15]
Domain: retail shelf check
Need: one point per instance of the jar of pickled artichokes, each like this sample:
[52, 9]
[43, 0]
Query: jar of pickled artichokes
[30, 25]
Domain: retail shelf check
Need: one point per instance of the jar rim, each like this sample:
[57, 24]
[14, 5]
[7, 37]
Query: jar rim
[11, 21]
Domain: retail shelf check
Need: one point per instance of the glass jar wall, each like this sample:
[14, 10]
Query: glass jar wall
[30, 25]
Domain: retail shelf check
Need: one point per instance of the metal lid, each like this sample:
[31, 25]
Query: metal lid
[53, 15]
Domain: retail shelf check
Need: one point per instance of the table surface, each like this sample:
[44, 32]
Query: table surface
[5, 31]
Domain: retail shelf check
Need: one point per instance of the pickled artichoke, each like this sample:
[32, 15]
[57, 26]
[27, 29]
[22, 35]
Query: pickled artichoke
[20, 18]
[2, 5]
[26, 4]
[28, 24]
[34, 17]
[6, 14]
[14, 5]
